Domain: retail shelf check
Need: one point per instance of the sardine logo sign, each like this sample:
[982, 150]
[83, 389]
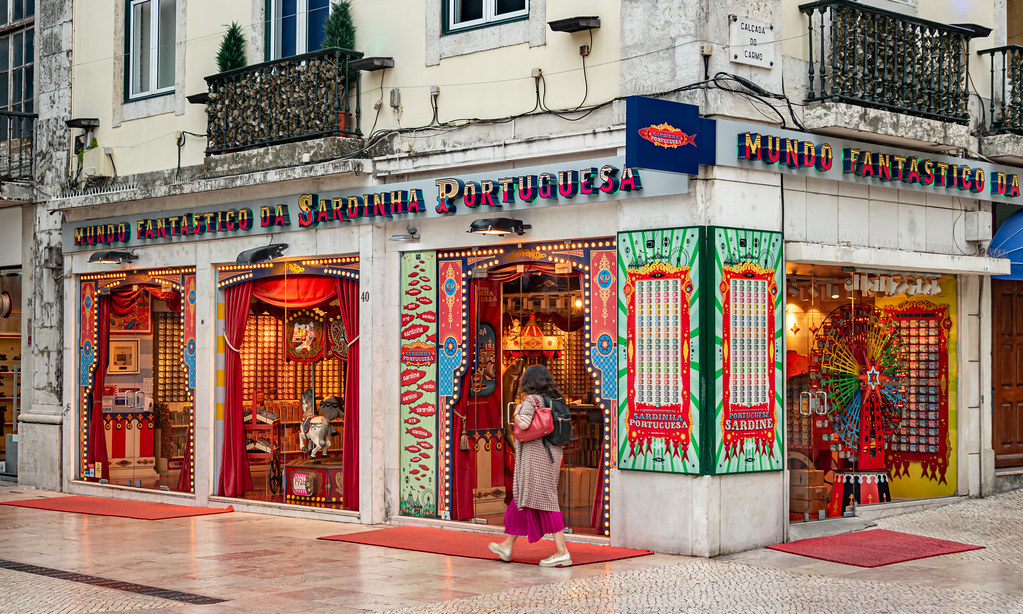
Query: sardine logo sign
[667, 136]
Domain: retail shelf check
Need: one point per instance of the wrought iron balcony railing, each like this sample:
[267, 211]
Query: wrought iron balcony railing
[877, 58]
[17, 154]
[1006, 106]
[292, 99]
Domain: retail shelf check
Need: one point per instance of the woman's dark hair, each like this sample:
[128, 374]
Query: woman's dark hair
[537, 380]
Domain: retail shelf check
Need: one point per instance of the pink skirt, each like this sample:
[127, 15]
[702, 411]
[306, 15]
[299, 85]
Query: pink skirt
[534, 524]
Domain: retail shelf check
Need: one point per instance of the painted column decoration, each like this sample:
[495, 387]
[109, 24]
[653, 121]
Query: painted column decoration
[748, 358]
[658, 350]
[86, 366]
[418, 390]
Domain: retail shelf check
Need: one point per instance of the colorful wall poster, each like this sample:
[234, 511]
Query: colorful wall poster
[748, 319]
[418, 391]
[658, 350]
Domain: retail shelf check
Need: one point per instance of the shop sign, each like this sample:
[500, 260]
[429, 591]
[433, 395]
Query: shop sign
[792, 152]
[667, 136]
[587, 181]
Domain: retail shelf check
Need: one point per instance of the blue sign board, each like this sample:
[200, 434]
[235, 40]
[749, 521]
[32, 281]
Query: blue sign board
[667, 136]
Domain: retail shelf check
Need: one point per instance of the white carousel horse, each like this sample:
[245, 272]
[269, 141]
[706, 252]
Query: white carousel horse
[316, 429]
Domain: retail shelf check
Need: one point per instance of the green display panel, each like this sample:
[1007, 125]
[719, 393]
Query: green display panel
[745, 279]
[417, 409]
[659, 349]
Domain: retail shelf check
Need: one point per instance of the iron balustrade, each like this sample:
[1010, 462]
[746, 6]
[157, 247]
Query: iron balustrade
[1006, 81]
[877, 58]
[17, 155]
[296, 98]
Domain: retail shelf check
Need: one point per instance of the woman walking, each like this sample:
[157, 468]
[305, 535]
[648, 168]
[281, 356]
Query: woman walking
[534, 510]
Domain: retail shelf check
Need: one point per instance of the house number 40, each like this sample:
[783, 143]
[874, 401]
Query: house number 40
[365, 297]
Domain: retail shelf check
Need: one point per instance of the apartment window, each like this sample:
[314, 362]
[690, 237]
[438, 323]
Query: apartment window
[17, 61]
[151, 25]
[296, 26]
[464, 14]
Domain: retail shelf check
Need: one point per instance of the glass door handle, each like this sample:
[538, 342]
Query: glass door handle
[140, 404]
[809, 396]
[129, 399]
[822, 406]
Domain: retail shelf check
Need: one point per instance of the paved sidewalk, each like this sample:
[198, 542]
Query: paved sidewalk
[59, 562]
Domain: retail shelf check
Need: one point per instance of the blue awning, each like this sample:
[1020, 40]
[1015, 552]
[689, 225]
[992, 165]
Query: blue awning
[1008, 243]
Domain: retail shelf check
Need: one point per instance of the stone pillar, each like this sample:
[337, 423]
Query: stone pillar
[39, 448]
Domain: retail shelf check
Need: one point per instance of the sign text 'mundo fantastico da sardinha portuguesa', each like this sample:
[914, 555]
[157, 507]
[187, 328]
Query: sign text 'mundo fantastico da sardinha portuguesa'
[582, 182]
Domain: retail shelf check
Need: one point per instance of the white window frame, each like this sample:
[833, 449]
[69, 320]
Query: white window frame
[489, 15]
[154, 49]
[301, 27]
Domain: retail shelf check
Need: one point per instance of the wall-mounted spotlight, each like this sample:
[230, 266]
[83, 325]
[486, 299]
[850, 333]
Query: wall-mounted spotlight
[113, 256]
[372, 63]
[261, 254]
[575, 24]
[412, 234]
[498, 226]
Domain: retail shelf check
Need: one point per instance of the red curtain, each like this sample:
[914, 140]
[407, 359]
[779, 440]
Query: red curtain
[97, 436]
[347, 291]
[235, 478]
[123, 300]
[295, 291]
[597, 516]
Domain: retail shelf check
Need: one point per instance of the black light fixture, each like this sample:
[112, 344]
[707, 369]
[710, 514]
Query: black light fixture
[498, 226]
[977, 30]
[412, 234]
[372, 63]
[85, 123]
[200, 98]
[261, 254]
[575, 24]
[114, 256]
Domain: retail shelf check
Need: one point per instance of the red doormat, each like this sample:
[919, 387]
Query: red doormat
[100, 506]
[872, 548]
[474, 545]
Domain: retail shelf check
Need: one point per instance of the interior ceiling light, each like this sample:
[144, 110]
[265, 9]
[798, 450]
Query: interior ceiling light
[412, 234]
[113, 256]
[498, 226]
[261, 254]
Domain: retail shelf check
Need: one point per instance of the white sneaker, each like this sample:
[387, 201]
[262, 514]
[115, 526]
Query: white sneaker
[501, 552]
[554, 560]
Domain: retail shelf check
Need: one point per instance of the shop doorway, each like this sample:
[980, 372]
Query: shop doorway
[138, 401]
[871, 388]
[1007, 423]
[526, 314]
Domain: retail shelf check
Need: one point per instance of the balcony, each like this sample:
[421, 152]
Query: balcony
[297, 98]
[17, 156]
[1003, 134]
[902, 77]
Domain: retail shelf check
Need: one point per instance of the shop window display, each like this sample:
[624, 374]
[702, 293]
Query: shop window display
[871, 389]
[137, 348]
[290, 422]
[10, 368]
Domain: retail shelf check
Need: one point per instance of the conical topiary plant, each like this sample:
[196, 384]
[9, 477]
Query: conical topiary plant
[339, 31]
[232, 49]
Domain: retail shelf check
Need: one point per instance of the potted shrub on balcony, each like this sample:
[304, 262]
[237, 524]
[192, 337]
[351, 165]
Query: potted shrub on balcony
[339, 31]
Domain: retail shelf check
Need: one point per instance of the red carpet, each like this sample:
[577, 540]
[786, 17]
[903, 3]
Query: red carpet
[116, 507]
[872, 548]
[474, 545]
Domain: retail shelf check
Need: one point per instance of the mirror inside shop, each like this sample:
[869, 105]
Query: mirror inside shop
[522, 317]
[871, 388]
[10, 369]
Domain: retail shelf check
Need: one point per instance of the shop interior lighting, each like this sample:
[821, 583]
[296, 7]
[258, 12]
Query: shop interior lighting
[372, 63]
[412, 234]
[575, 24]
[498, 226]
[113, 256]
[261, 254]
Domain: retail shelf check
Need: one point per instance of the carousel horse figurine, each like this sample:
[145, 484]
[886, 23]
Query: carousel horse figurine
[314, 434]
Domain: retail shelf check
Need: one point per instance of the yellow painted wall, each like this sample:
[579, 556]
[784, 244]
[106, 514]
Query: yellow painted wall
[485, 84]
[914, 486]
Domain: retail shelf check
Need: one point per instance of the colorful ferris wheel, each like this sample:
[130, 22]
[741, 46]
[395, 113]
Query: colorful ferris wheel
[858, 366]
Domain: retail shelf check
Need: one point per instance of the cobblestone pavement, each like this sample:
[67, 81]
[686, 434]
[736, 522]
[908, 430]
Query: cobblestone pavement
[262, 563]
